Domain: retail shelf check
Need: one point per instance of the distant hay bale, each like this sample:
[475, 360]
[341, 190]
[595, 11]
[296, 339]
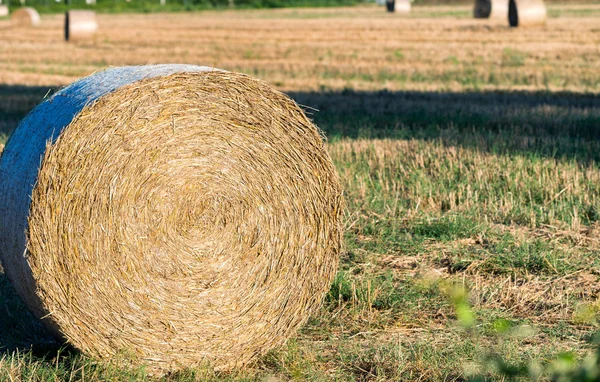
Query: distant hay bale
[3, 10]
[169, 216]
[25, 17]
[80, 25]
[398, 6]
[524, 13]
[491, 9]
[499, 10]
[482, 9]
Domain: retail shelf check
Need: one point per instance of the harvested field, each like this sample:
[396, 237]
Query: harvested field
[439, 48]
[468, 153]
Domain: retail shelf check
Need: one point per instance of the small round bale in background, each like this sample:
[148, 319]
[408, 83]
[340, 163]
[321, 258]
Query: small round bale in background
[398, 6]
[25, 17]
[170, 216]
[524, 13]
[80, 25]
[491, 9]
[3, 10]
[482, 9]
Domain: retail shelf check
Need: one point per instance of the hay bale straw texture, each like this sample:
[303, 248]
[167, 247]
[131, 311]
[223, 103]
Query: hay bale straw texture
[25, 17]
[169, 216]
[80, 25]
[491, 9]
[526, 13]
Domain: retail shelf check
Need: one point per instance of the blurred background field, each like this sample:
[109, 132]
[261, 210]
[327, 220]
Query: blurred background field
[145, 6]
[469, 156]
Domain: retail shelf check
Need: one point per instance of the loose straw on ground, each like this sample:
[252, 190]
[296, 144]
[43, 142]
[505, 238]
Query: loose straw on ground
[180, 216]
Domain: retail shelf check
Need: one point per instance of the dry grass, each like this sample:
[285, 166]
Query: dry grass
[468, 154]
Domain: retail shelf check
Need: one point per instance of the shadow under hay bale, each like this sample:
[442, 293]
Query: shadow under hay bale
[491, 9]
[180, 215]
[398, 6]
[523, 13]
[25, 17]
[80, 25]
[19, 330]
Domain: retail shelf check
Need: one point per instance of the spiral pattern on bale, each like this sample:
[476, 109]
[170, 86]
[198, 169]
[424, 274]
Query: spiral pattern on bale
[170, 216]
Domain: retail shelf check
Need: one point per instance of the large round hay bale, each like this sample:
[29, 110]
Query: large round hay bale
[398, 6]
[523, 13]
[80, 25]
[3, 10]
[169, 216]
[491, 9]
[25, 17]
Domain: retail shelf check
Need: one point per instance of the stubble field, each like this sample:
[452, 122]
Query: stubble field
[469, 156]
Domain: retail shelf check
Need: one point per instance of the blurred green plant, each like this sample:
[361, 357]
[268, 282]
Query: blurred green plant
[566, 367]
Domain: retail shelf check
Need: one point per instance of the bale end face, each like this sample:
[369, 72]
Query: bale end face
[491, 9]
[526, 13]
[398, 6]
[80, 25]
[185, 218]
